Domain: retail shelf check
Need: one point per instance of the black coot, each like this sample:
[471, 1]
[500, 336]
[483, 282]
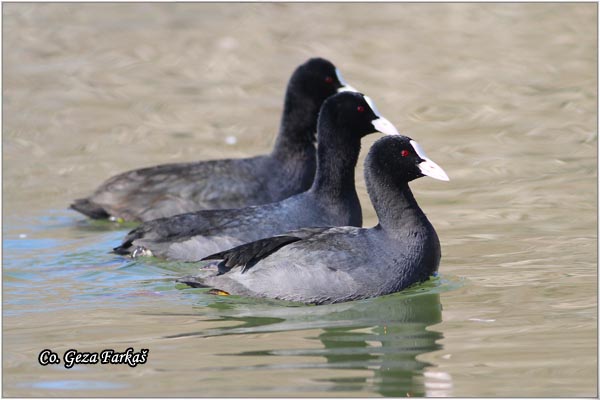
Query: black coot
[169, 189]
[331, 201]
[330, 265]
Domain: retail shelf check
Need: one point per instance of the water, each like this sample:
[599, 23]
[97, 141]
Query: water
[502, 96]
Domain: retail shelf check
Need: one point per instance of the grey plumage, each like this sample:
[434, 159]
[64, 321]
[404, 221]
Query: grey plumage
[345, 263]
[331, 201]
[170, 189]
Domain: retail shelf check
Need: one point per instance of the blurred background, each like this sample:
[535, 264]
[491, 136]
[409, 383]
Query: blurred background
[502, 96]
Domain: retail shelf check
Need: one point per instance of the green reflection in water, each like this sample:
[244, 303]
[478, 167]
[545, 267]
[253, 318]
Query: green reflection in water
[383, 335]
[388, 346]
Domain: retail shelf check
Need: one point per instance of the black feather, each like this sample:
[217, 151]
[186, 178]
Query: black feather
[191, 281]
[89, 208]
[247, 255]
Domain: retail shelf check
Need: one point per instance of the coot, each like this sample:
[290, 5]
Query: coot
[331, 265]
[169, 189]
[331, 201]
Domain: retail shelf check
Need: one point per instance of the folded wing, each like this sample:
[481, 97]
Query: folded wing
[248, 254]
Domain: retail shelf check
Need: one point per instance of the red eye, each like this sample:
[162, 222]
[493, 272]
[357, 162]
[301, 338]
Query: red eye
[404, 153]
[329, 79]
[360, 109]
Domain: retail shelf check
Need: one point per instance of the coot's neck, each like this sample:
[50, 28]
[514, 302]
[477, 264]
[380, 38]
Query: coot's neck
[396, 207]
[337, 155]
[297, 132]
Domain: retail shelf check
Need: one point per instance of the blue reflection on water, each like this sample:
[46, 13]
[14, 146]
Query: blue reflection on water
[61, 254]
[75, 385]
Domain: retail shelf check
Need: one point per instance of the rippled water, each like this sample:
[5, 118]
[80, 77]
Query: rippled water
[502, 96]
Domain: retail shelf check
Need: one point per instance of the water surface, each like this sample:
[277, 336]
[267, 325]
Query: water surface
[502, 96]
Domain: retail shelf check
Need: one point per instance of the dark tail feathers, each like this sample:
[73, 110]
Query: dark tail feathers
[90, 209]
[124, 249]
[192, 281]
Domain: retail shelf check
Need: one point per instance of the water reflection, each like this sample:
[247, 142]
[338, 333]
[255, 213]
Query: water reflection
[368, 346]
[383, 336]
[389, 348]
[121, 86]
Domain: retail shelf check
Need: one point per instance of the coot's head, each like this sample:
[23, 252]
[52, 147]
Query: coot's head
[402, 159]
[318, 78]
[352, 115]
